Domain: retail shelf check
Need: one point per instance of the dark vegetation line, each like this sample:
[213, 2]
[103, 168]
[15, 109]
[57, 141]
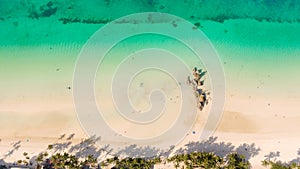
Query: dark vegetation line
[210, 154]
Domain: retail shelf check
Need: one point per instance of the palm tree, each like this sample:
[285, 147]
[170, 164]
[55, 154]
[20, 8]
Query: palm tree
[235, 160]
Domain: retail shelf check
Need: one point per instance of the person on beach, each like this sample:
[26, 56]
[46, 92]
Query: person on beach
[189, 81]
[196, 74]
[202, 100]
[197, 84]
[199, 89]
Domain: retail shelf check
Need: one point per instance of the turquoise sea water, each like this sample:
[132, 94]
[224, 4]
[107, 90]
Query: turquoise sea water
[258, 43]
[33, 22]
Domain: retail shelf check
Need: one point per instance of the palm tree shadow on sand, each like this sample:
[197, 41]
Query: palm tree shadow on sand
[274, 157]
[15, 147]
[219, 148]
[89, 147]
